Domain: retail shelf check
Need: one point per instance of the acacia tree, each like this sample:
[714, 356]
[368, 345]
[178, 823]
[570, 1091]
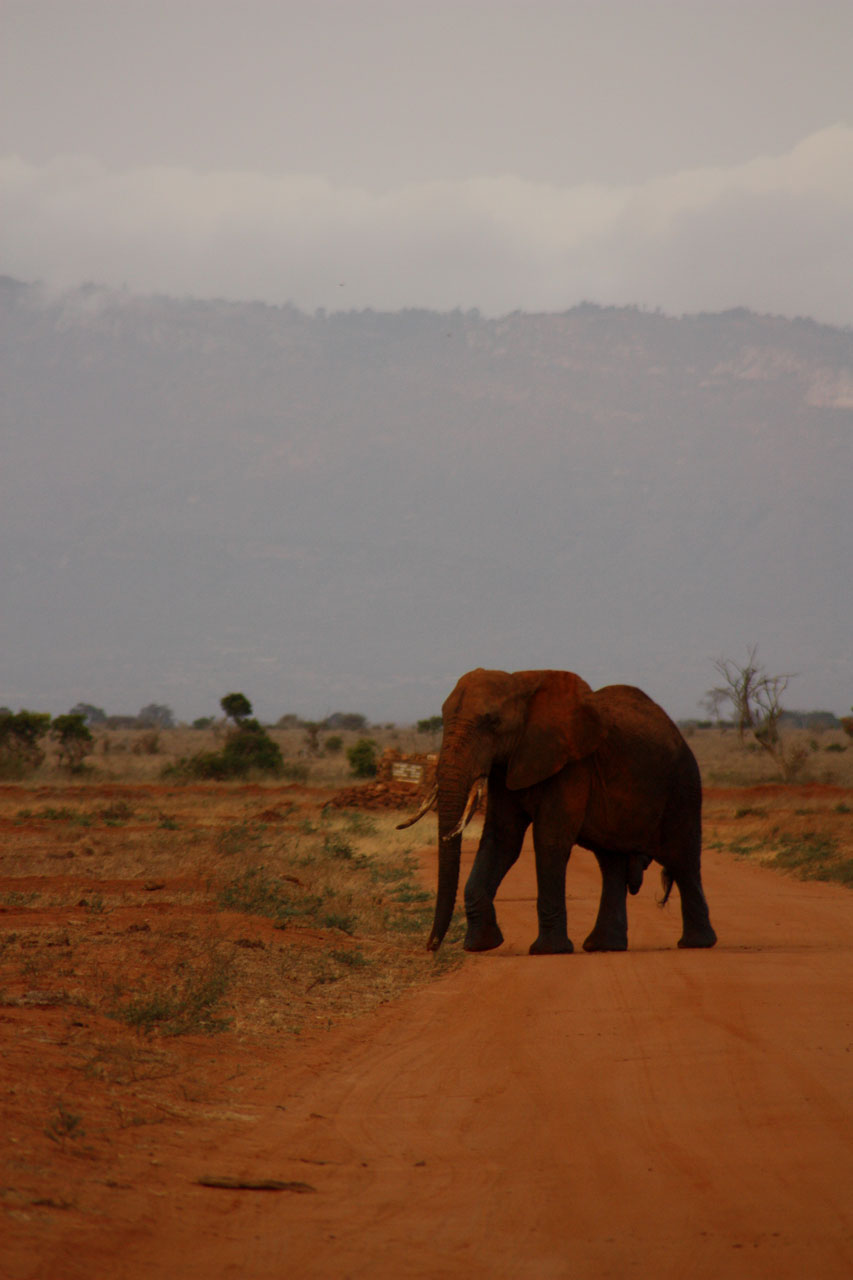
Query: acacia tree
[756, 698]
[236, 706]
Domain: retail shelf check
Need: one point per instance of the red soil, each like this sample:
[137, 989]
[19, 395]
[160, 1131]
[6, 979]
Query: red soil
[654, 1113]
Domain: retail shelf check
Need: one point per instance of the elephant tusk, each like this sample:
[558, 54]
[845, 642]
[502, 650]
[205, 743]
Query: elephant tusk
[470, 808]
[425, 808]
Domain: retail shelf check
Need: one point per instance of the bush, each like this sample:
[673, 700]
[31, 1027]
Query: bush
[362, 758]
[333, 746]
[75, 739]
[248, 749]
[251, 747]
[20, 735]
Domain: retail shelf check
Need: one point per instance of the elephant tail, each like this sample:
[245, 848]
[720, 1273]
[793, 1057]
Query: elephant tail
[667, 882]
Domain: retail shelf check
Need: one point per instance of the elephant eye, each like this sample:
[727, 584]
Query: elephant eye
[489, 721]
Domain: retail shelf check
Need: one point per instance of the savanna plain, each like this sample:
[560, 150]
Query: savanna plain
[225, 1051]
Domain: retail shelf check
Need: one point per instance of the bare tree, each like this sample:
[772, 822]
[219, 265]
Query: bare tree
[713, 703]
[756, 698]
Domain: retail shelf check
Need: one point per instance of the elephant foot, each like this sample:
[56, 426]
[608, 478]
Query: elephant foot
[550, 946]
[483, 939]
[600, 940]
[692, 938]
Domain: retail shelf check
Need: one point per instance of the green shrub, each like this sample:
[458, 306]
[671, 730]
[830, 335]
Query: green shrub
[362, 758]
[248, 749]
[207, 765]
[20, 735]
[75, 739]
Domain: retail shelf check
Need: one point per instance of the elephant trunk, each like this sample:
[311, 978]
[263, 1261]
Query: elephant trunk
[449, 852]
[458, 791]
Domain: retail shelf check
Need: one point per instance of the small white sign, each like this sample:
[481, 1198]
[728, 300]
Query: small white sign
[402, 772]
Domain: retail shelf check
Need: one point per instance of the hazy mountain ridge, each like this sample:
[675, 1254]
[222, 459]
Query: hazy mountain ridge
[204, 494]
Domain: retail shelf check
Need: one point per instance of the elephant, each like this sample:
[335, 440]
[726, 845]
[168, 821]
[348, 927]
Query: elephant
[608, 770]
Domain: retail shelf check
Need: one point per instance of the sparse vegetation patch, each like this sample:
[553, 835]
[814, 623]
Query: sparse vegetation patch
[189, 1004]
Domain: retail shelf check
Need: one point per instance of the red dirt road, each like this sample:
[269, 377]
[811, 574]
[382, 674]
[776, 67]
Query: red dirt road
[653, 1114]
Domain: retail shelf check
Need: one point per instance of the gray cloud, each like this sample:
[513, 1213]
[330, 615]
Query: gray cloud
[771, 234]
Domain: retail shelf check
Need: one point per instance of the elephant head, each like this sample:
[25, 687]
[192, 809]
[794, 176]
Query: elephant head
[528, 725]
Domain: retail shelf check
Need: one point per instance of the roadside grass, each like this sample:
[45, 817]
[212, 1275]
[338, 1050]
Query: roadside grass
[345, 918]
[814, 855]
[813, 841]
[192, 910]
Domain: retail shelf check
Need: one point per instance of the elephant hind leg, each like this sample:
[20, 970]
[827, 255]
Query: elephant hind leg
[610, 931]
[697, 930]
[681, 859]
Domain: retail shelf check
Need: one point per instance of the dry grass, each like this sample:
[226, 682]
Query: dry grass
[134, 756]
[138, 755]
[806, 830]
[183, 908]
[827, 757]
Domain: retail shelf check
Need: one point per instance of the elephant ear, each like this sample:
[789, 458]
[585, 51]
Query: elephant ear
[562, 724]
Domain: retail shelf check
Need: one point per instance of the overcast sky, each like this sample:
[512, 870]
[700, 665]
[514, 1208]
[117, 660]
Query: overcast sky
[687, 154]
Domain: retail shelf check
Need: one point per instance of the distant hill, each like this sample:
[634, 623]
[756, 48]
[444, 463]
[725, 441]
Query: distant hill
[352, 509]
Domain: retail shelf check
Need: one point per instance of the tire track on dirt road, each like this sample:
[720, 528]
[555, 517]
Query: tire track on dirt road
[655, 1112]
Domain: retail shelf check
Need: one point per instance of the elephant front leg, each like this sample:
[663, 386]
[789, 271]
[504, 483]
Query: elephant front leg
[499, 848]
[551, 861]
[610, 931]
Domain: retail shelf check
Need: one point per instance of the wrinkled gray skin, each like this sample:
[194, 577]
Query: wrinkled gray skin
[607, 770]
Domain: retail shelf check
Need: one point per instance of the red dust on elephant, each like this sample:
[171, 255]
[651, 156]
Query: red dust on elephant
[605, 769]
